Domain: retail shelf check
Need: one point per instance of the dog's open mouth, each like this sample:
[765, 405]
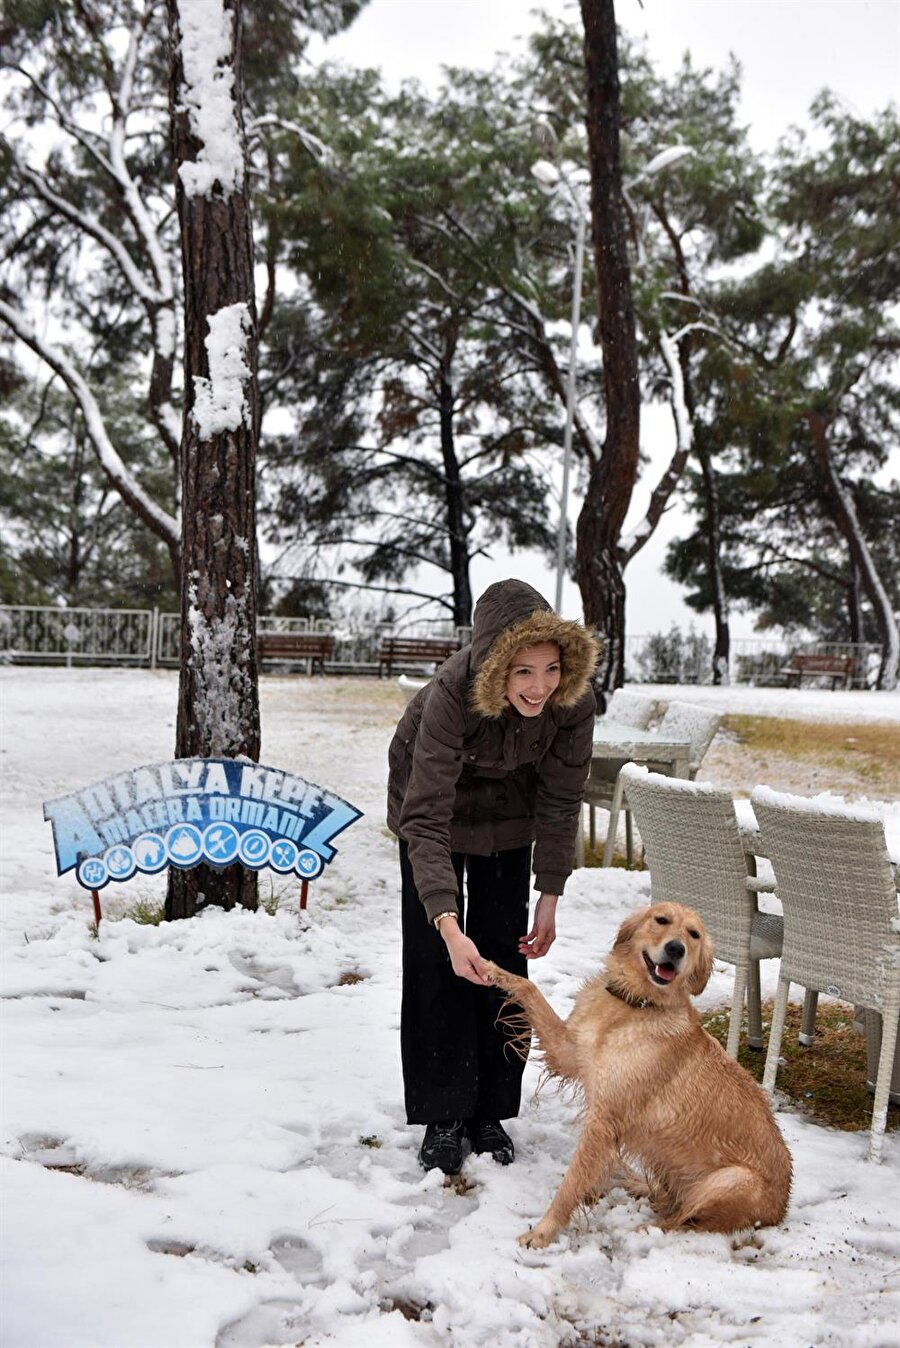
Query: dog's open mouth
[660, 973]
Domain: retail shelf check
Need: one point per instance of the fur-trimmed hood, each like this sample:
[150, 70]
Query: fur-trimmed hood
[511, 614]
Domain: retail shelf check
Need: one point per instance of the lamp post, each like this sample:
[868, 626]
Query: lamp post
[549, 177]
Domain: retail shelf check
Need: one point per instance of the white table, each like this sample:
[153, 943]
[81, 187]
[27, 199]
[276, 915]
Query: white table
[616, 743]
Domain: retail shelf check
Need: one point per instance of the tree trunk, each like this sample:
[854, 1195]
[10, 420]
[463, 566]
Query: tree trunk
[843, 512]
[453, 489]
[598, 564]
[218, 702]
[722, 652]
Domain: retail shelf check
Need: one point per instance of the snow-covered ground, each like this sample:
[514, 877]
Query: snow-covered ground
[203, 1139]
[810, 703]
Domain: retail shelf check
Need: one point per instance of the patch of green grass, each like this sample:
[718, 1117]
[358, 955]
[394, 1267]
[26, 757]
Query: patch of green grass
[370, 1140]
[871, 750]
[593, 856]
[147, 912]
[827, 1079]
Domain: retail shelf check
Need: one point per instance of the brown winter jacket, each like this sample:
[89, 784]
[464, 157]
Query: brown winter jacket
[469, 774]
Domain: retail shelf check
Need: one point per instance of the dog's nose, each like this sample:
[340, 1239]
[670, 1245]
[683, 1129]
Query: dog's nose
[674, 950]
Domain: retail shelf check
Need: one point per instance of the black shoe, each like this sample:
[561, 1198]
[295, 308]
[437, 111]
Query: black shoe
[442, 1146]
[490, 1135]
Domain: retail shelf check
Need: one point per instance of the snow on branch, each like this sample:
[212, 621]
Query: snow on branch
[315, 147]
[219, 401]
[96, 231]
[207, 95]
[153, 515]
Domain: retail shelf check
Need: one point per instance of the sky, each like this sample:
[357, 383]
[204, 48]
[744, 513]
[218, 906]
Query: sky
[202, 1135]
[788, 50]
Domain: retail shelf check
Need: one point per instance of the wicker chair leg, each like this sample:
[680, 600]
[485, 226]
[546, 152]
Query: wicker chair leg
[614, 811]
[737, 1010]
[775, 1035]
[808, 1019]
[889, 1026]
[754, 1007]
[629, 838]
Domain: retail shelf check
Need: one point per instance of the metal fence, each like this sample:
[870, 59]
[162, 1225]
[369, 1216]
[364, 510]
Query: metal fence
[85, 636]
[686, 657]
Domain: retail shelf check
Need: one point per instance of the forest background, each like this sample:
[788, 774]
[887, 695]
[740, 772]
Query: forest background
[414, 282]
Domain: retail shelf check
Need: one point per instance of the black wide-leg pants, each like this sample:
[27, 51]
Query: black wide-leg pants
[457, 1062]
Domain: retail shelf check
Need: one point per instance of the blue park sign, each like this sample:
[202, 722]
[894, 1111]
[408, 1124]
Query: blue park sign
[192, 810]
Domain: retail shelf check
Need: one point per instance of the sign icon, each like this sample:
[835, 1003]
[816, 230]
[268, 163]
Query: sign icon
[308, 863]
[92, 873]
[220, 843]
[184, 845]
[254, 848]
[120, 862]
[284, 855]
[149, 852]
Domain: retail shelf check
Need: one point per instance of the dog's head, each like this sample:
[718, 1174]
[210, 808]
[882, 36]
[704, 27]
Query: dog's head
[660, 951]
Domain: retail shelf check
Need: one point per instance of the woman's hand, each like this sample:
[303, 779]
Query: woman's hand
[464, 956]
[543, 929]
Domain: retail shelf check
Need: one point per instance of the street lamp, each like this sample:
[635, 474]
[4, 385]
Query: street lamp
[550, 177]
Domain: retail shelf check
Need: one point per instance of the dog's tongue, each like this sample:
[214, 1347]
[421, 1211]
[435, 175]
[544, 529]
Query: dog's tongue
[665, 971]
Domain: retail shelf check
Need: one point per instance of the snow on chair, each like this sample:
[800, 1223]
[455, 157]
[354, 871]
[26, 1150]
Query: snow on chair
[841, 930]
[684, 720]
[631, 708]
[693, 847]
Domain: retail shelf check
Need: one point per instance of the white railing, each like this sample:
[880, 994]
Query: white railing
[83, 635]
[36, 635]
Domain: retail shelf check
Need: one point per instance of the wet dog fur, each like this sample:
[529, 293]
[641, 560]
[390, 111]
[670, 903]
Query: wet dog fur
[658, 1090]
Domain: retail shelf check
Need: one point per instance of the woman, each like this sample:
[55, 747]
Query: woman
[490, 757]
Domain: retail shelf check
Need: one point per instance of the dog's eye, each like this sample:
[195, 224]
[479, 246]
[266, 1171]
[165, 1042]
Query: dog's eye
[663, 921]
[694, 934]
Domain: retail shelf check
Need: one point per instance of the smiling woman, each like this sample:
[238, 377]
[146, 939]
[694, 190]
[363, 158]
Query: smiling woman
[491, 756]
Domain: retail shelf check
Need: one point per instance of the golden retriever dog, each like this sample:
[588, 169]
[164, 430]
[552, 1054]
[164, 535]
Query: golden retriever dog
[657, 1088]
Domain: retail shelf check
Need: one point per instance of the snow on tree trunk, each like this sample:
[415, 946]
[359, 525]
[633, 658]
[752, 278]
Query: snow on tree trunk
[611, 481]
[218, 704]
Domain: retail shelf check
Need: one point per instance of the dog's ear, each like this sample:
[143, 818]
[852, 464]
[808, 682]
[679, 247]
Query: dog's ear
[703, 968]
[626, 932]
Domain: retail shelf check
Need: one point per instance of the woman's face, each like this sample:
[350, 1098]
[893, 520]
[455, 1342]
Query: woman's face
[533, 675]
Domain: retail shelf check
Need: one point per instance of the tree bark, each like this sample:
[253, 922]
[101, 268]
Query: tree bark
[218, 701]
[722, 652]
[453, 491]
[611, 481]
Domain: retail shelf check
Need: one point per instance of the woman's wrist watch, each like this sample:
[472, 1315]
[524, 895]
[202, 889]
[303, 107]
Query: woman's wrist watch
[439, 917]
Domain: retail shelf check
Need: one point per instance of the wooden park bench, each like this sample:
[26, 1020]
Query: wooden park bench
[838, 668]
[289, 647]
[414, 651]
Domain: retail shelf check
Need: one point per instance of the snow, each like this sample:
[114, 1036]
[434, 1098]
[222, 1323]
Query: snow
[797, 704]
[219, 401]
[203, 1139]
[207, 93]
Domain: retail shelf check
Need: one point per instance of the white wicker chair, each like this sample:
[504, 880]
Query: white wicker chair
[632, 708]
[693, 847]
[685, 721]
[841, 928]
